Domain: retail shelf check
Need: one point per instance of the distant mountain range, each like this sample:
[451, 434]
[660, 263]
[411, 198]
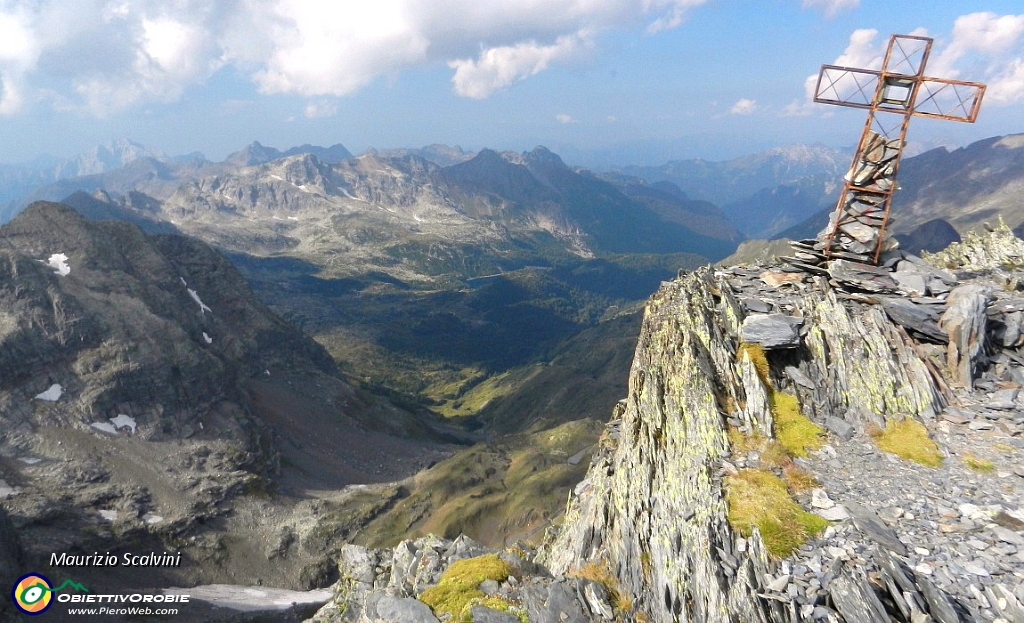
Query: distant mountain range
[383, 213]
[497, 289]
[963, 187]
[17, 180]
[255, 153]
[465, 270]
[762, 193]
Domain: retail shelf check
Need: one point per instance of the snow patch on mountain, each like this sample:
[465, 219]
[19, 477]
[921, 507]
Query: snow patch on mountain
[203, 308]
[59, 263]
[123, 421]
[51, 395]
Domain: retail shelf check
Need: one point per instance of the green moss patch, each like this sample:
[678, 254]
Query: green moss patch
[795, 431]
[978, 464]
[459, 588]
[909, 440]
[758, 358]
[759, 498]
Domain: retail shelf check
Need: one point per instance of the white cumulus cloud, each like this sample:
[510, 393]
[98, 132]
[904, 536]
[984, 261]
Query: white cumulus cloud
[18, 53]
[499, 67]
[336, 48]
[983, 47]
[319, 109]
[863, 50]
[102, 56]
[1009, 85]
[564, 118]
[673, 16]
[988, 48]
[743, 107]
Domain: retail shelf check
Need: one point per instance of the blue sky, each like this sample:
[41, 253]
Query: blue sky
[596, 80]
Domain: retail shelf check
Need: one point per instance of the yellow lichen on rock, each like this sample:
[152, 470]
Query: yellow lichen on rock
[599, 572]
[755, 352]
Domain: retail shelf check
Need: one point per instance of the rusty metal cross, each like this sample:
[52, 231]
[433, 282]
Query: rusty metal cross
[857, 229]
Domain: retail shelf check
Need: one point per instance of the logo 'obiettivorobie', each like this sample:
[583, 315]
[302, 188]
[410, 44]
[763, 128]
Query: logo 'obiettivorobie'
[33, 592]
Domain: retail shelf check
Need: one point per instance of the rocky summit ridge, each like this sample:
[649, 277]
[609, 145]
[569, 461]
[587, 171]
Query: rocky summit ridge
[904, 476]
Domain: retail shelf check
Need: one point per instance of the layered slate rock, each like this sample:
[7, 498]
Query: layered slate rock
[907, 543]
[771, 330]
[964, 322]
[652, 506]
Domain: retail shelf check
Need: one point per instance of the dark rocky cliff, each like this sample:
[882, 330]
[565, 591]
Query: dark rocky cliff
[164, 324]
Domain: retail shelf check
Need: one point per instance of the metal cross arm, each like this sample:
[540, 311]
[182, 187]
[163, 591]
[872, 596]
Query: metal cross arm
[940, 98]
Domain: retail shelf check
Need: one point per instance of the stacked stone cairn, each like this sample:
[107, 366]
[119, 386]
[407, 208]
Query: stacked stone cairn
[861, 218]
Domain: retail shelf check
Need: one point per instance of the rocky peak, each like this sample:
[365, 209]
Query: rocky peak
[103, 158]
[256, 153]
[861, 357]
[302, 170]
[331, 155]
[252, 154]
[541, 156]
[182, 291]
[492, 172]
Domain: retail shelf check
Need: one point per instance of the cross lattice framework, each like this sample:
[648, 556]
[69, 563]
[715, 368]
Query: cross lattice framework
[901, 91]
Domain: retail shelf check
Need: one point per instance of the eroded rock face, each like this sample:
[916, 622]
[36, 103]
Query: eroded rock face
[383, 586]
[906, 542]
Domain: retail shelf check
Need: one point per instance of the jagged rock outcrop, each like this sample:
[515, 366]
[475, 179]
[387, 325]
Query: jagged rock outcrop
[99, 331]
[383, 586]
[652, 507]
